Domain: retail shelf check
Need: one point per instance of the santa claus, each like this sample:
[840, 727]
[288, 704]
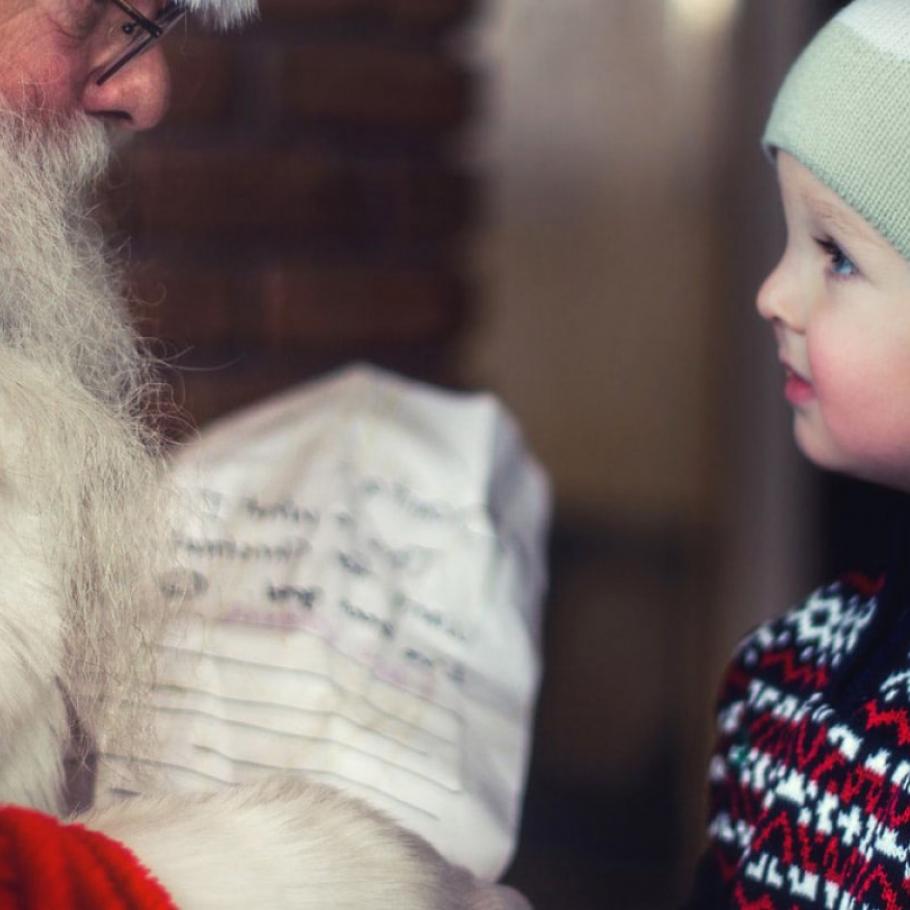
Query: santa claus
[82, 508]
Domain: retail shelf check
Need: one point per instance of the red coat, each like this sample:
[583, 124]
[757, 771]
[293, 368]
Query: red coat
[45, 864]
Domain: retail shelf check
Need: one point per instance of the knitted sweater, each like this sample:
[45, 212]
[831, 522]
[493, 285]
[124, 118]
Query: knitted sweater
[810, 778]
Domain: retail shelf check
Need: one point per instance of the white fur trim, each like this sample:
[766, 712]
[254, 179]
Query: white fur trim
[224, 12]
[883, 23]
[286, 843]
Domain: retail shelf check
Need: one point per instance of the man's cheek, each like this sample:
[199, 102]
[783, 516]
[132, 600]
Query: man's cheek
[53, 89]
[40, 77]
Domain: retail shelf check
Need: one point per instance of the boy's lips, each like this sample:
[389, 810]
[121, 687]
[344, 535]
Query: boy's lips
[797, 389]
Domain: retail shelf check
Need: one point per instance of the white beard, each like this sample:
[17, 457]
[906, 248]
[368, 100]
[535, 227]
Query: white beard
[80, 476]
[81, 501]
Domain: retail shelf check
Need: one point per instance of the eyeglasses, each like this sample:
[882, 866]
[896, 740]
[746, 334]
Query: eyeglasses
[132, 38]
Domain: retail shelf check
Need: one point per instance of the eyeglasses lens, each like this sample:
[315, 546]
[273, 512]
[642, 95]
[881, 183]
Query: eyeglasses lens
[130, 32]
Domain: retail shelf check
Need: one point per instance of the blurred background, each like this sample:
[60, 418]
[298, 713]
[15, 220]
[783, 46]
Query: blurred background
[563, 201]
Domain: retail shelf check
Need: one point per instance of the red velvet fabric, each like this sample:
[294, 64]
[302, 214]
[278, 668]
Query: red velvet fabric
[48, 865]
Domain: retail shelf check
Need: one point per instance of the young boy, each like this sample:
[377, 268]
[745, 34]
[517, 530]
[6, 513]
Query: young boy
[810, 780]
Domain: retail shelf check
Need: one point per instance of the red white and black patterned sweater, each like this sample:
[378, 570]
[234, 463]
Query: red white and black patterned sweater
[810, 778]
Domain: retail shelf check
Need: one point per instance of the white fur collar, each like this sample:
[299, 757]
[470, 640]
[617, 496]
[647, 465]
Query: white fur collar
[224, 12]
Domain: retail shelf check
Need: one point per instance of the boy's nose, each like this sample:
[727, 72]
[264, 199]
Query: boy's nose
[135, 98]
[779, 299]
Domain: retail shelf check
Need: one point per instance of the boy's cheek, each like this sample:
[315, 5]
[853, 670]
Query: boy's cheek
[864, 411]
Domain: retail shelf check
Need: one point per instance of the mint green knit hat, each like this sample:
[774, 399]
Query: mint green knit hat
[844, 112]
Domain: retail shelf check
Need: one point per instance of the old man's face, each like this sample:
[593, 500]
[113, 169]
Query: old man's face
[52, 53]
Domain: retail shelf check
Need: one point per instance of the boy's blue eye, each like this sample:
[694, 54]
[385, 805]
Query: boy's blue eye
[841, 265]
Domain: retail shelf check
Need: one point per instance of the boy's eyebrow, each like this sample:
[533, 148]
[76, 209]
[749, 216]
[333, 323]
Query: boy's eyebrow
[846, 222]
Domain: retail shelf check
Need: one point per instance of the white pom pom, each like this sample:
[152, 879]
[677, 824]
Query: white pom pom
[223, 12]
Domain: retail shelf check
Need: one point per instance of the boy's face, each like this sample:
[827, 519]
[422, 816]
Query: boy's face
[839, 304]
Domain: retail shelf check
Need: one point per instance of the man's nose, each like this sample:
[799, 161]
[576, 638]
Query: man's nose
[136, 97]
[780, 298]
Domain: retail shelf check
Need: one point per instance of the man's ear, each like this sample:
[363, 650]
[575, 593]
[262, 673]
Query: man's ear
[224, 13]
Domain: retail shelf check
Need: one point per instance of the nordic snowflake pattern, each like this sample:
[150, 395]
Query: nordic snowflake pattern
[810, 796]
[822, 631]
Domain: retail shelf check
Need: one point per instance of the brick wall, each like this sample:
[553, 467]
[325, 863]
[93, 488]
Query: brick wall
[301, 208]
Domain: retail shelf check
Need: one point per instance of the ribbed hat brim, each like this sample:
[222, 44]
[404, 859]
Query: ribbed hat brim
[844, 112]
